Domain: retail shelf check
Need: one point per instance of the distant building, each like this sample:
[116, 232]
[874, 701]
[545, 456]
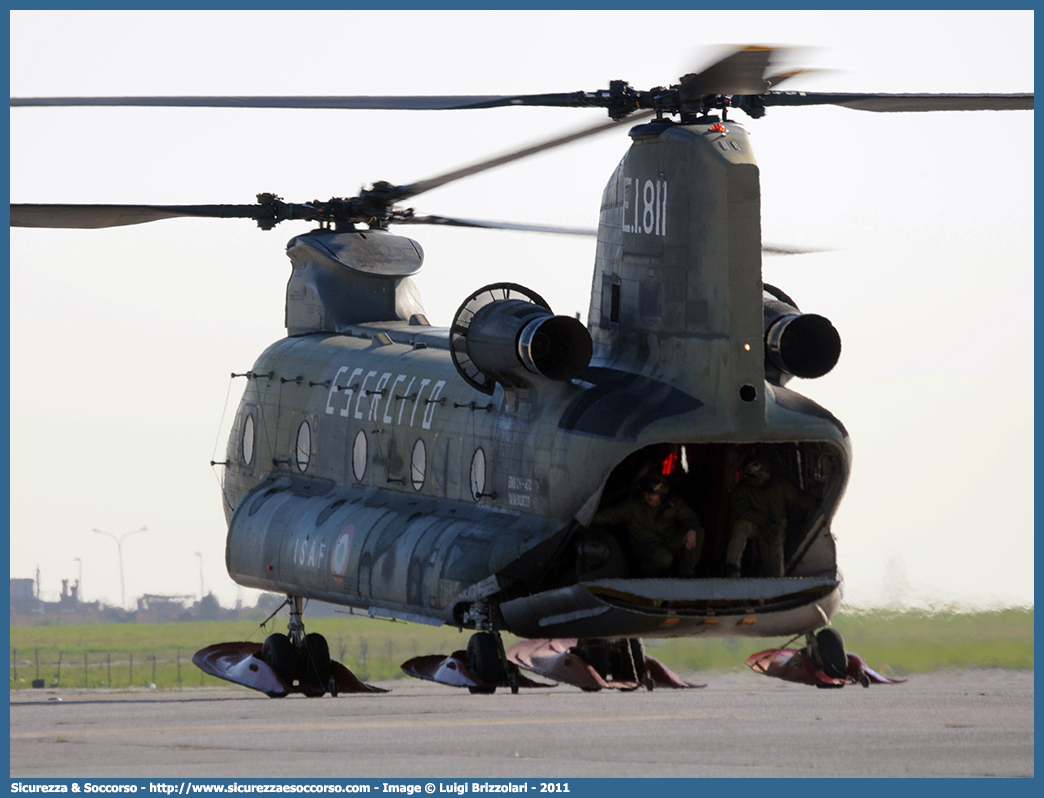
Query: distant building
[69, 601]
[160, 609]
[28, 609]
[23, 597]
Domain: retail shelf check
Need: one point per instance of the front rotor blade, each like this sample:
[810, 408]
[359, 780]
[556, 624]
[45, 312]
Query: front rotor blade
[904, 102]
[412, 190]
[448, 221]
[98, 216]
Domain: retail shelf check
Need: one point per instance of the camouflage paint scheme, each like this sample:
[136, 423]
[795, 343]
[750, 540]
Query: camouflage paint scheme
[363, 470]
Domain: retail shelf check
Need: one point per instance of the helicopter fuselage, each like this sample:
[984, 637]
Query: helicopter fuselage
[432, 474]
[363, 471]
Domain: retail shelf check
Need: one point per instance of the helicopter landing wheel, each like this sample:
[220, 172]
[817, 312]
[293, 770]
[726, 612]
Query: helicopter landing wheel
[832, 657]
[278, 652]
[483, 660]
[596, 654]
[316, 663]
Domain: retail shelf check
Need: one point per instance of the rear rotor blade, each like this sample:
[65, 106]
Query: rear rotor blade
[742, 72]
[903, 102]
[388, 103]
[413, 189]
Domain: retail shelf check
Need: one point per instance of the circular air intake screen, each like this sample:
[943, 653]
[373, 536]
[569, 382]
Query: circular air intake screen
[458, 335]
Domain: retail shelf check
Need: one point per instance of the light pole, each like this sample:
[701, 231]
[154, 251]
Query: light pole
[119, 550]
[201, 594]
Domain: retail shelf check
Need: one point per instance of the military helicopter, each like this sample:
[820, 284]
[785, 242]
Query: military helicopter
[450, 476]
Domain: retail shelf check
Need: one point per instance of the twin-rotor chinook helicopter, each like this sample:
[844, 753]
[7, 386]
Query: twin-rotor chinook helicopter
[450, 476]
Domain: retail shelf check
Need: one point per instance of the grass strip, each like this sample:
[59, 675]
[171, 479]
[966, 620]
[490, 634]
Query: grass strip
[159, 656]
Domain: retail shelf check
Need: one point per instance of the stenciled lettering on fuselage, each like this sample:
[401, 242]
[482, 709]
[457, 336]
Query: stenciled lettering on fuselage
[312, 554]
[309, 553]
[645, 206]
[520, 492]
[372, 396]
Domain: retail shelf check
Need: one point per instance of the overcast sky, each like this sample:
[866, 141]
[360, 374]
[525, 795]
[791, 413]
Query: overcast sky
[122, 340]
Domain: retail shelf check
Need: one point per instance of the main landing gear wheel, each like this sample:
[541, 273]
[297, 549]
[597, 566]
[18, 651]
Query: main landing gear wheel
[483, 660]
[597, 655]
[278, 652]
[316, 665]
[832, 657]
[310, 666]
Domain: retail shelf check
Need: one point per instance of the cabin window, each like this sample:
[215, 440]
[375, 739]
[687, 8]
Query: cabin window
[303, 450]
[247, 449]
[418, 464]
[359, 456]
[478, 474]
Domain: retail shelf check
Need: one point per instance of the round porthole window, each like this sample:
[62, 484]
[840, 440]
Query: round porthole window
[303, 452]
[248, 439]
[478, 474]
[418, 464]
[359, 456]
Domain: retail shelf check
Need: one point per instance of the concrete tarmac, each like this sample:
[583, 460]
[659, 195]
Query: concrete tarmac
[971, 723]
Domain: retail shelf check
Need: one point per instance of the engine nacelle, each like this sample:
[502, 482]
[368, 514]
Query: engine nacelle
[504, 331]
[796, 344]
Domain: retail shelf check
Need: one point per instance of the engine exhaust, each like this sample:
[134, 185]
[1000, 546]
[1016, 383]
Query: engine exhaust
[510, 333]
[799, 344]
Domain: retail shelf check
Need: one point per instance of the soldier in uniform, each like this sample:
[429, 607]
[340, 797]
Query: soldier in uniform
[760, 504]
[665, 533]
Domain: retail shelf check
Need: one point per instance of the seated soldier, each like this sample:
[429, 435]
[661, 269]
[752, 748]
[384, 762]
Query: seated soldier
[665, 533]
